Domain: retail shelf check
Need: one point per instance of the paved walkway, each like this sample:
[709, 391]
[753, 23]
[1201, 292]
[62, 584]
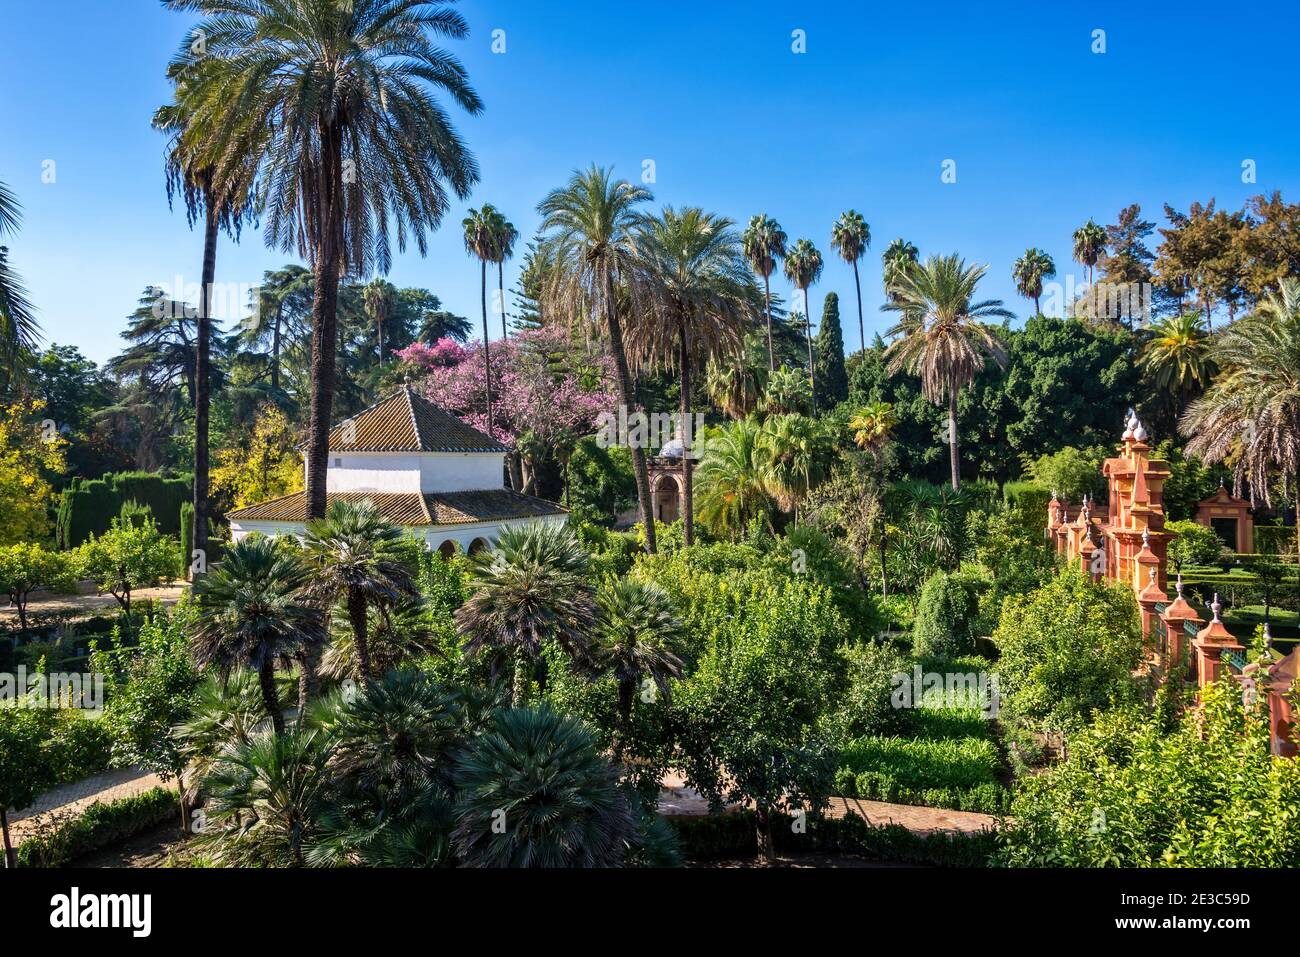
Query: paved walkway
[87, 605]
[73, 799]
[677, 799]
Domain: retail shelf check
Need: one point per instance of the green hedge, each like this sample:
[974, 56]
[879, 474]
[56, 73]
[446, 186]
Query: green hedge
[717, 836]
[988, 798]
[100, 826]
[90, 505]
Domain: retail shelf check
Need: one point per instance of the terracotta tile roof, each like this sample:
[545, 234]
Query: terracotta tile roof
[406, 422]
[412, 508]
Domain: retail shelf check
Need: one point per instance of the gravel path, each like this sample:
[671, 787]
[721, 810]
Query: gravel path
[73, 799]
[86, 605]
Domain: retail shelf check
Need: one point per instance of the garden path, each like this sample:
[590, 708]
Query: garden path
[676, 798]
[85, 605]
[73, 799]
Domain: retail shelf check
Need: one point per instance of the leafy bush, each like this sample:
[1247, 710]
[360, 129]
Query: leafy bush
[1067, 650]
[99, 826]
[1071, 472]
[919, 763]
[1136, 792]
[1195, 545]
[945, 614]
[866, 707]
[988, 798]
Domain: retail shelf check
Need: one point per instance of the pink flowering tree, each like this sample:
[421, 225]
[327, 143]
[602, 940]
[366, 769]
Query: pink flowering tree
[546, 393]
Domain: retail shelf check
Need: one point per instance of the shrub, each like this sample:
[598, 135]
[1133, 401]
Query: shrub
[945, 614]
[919, 763]
[99, 826]
[25, 567]
[866, 706]
[88, 506]
[128, 557]
[1195, 545]
[1067, 650]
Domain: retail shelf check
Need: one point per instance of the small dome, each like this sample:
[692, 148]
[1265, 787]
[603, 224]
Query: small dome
[673, 449]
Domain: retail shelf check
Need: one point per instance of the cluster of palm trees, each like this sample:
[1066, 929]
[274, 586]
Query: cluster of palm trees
[491, 238]
[274, 603]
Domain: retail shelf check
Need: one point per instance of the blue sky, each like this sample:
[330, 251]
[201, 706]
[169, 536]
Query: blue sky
[1044, 132]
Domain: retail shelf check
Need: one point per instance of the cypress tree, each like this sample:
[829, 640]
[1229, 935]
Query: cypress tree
[832, 380]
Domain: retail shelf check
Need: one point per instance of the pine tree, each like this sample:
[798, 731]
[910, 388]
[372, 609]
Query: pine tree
[832, 380]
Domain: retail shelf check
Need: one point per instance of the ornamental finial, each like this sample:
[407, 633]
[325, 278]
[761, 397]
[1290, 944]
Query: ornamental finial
[1216, 606]
[1179, 586]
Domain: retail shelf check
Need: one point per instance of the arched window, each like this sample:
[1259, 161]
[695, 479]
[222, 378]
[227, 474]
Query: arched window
[477, 546]
[448, 549]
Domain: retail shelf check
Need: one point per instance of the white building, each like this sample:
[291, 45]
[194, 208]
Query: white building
[423, 468]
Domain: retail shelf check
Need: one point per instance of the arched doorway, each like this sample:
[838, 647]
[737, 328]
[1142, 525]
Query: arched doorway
[477, 546]
[667, 498]
[447, 549]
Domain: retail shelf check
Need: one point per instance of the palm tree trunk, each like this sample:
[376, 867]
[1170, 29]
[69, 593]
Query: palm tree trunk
[266, 679]
[487, 359]
[954, 460]
[630, 403]
[1038, 310]
[357, 617]
[501, 289]
[862, 329]
[308, 680]
[180, 799]
[812, 372]
[626, 689]
[324, 316]
[688, 499]
[767, 302]
[11, 857]
[202, 380]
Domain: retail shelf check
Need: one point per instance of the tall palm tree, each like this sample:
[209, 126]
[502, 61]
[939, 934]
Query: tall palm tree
[733, 483]
[1029, 272]
[736, 385]
[764, 245]
[480, 241]
[803, 267]
[588, 229]
[563, 806]
[1177, 355]
[377, 298]
[331, 104]
[1089, 244]
[793, 453]
[222, 204]
[787, 392]
[504, 236]
[534, 588]
[701, 299]
[19, 331]
[356, 558]
[851, 236]
[899, 257]
[639, 639]
[941, 337]
[251, 614]
[1251, 412]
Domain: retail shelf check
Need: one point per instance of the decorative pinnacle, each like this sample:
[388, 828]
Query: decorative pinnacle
[1268, 638]
[1216, 606]
[1179, 586]
[1146, 538]
[1152, 574]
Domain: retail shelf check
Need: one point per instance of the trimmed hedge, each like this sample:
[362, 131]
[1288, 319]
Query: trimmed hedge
[718, 836]
[100, 826]
[988, 798]
[90, 505]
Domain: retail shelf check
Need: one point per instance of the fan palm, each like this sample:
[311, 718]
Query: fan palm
[263, 798]
[942, 337]
[251, 614]
[331, 105]
[536, 792]
[873, 425]
[480, 241]
[793, 454]
[787, 393]
[700, 300]
[229, 711]
[18, 329]
[534, 588]
[1250, 415]
[897, 260]
[1177, 355]
[355, 558]
[1089, 244]
[639, 642]
[1029, 272]
[504, 237]
[588, 229]
[276, 315]
[851, 236]
[764, 245]
[736, 386]
[395, 635]
[803, 267]
[733, 487]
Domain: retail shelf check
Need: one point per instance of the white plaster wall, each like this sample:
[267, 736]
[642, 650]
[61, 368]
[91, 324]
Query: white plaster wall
[461, 471]
[433, 535]
[413, 472]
